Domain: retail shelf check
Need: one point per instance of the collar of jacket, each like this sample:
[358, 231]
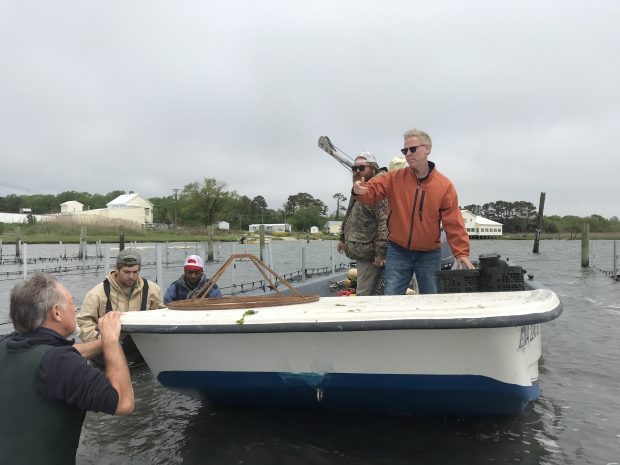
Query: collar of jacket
[431, 168]
[38, 336]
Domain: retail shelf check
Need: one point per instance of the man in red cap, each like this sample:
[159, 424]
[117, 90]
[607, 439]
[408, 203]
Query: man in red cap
[193, 278]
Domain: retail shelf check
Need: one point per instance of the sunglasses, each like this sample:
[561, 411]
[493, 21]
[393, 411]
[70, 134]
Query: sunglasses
[412, 149]
[355, 168]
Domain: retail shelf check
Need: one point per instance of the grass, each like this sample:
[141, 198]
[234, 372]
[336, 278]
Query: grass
[108, 231]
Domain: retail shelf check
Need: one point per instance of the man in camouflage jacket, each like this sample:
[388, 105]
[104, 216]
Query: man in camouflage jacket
[364, 232]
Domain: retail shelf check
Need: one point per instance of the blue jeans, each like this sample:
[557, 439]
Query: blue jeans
[401, 263]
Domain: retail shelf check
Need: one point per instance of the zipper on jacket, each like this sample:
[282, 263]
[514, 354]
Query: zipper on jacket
[415, 202]
[421, 204]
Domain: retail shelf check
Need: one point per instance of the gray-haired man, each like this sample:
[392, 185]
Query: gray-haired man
[47, 385]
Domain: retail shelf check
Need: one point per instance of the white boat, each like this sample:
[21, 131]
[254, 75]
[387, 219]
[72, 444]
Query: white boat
[470, 353]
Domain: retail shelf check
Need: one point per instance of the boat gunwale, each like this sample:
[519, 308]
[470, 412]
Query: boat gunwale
[356, 325]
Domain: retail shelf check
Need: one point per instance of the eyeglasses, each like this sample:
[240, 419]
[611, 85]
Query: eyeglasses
[412, 149]
[355, 168]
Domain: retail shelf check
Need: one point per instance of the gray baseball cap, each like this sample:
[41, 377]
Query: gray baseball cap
[369, 157]
[129, 257]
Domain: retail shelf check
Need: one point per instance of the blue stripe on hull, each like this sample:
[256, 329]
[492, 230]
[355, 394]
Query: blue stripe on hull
[452, 394]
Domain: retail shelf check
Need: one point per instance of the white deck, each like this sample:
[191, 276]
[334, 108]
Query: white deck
[430, 308]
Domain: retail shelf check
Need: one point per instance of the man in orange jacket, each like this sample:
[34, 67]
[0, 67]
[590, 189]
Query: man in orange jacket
[421, 199]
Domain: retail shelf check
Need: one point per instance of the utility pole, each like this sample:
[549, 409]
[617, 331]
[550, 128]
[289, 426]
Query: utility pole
[176, 198]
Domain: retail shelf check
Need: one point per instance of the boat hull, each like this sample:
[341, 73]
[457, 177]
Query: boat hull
[457, 371]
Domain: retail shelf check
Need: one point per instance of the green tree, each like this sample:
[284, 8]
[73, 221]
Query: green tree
[475, 209]
[237, 210]
[163, 209]
[598, 223]
[200, 204]
[340, 199]
[303, 200]
[259, 204]
[304, 218]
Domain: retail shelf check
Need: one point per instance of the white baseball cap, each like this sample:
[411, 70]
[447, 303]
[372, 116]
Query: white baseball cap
[369, 157]
[193, 262]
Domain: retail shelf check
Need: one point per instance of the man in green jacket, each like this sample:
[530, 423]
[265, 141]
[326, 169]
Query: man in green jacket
[364, 233]
[47, 385]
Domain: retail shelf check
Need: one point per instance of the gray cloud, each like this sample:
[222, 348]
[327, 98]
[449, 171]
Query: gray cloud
[519, 97]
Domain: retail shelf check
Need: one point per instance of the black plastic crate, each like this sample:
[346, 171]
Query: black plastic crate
[457, 281]
[503, 278]
[488, 261]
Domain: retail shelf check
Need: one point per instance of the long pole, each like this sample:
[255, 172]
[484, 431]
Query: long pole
[303, 262]
[158, 265]
[232, 269]
[25, 262]
[106, 267]
[616, 271]
[17, 241]
[261, 230]
[210, 251]
[121, 239]
[541, 207]
[585, 245]
[332, 245]
[176, 197]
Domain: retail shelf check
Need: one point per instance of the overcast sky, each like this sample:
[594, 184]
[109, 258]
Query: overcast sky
[520, 97]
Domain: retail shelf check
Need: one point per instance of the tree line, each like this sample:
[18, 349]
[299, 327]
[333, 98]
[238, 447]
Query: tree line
[207, 202]
[522, 217]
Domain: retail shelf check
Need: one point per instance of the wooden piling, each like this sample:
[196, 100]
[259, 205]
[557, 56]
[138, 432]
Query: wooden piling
[210, 251]
[303, 262]
[332, 261]
[541, 207]
[25, 261]
[82, 253]
[158, 265]
[106, 259]
[616, 271]
[585, 245]
[121, 238]
[18, 237]
[261, 230]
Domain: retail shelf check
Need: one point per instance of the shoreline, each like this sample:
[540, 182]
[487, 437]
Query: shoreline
[9, 237]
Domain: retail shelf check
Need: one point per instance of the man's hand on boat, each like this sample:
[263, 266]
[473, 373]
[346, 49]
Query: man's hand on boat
[463, 263]
[359, 187]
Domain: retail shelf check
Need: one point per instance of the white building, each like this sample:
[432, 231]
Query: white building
[71, 206]
[224, 225]
[19, 218]
[314, 229]
[13, 218]
[332, 227]
[126, 207]
[271, 228]
[480, 227]
[131, 206]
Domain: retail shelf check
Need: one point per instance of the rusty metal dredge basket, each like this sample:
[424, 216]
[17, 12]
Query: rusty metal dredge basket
[200, 302]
